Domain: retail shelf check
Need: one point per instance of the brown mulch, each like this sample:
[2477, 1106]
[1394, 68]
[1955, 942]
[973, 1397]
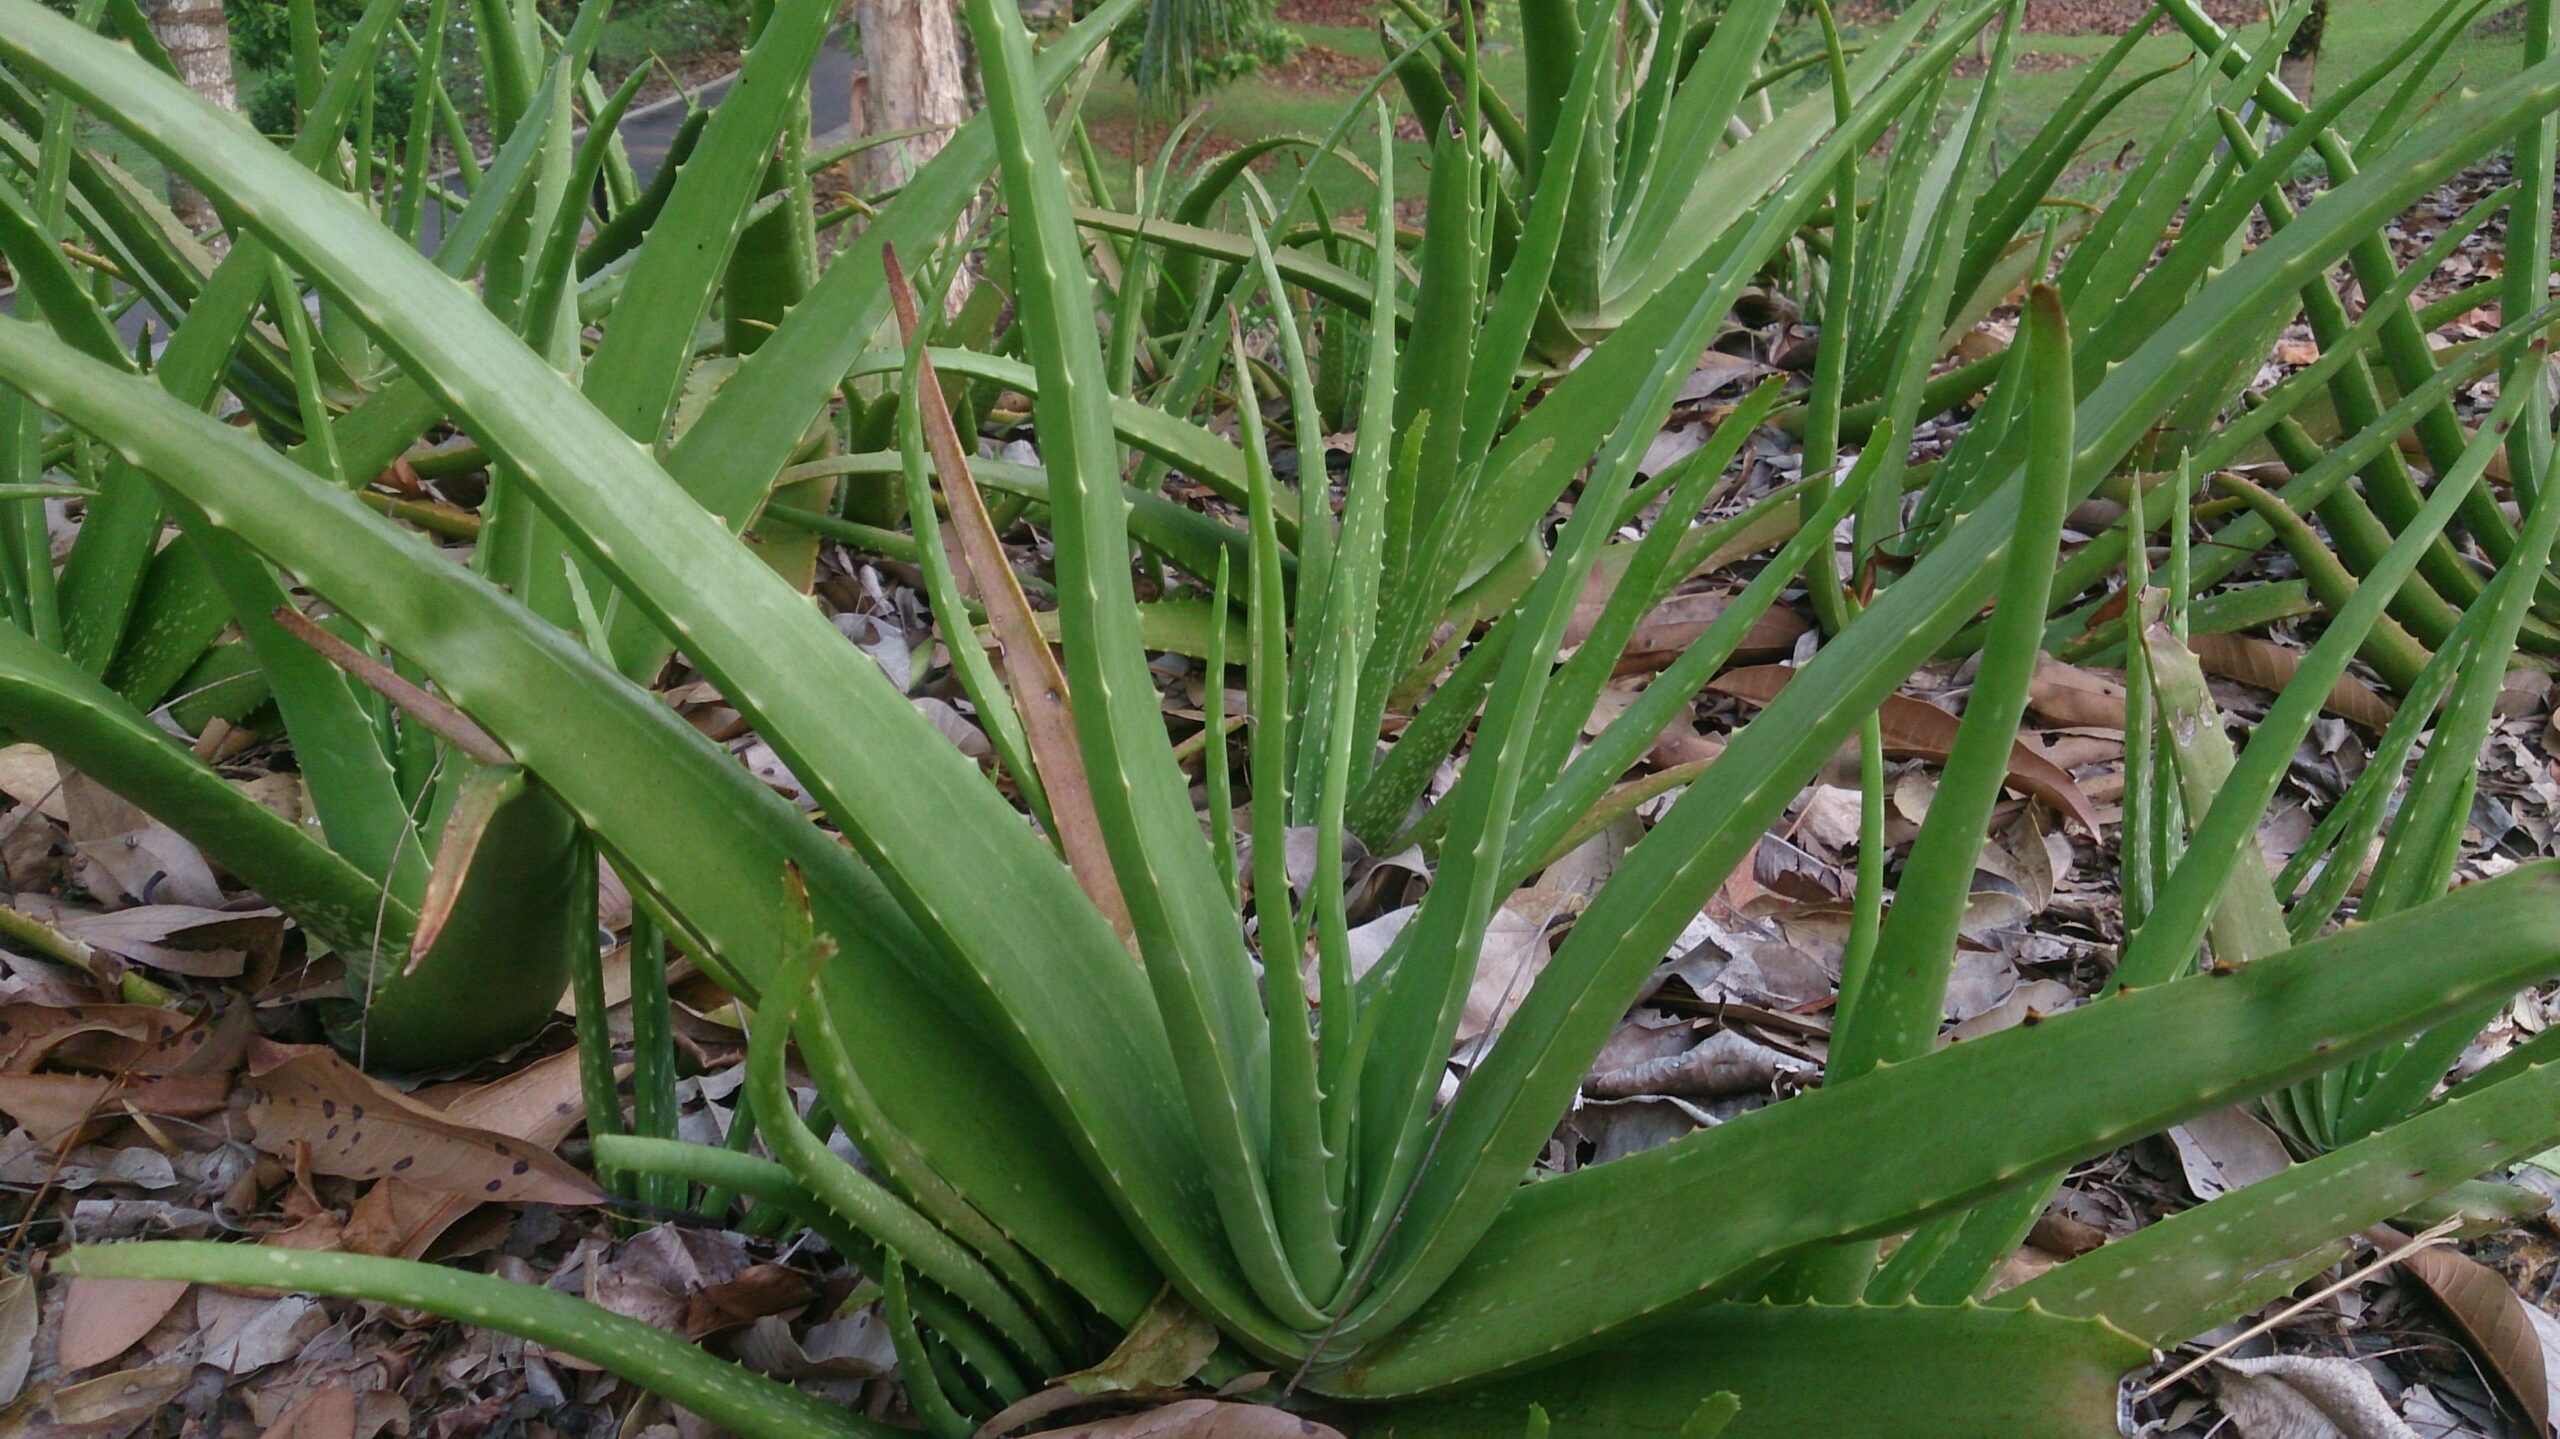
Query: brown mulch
[2025, 62]
[2114, 17]
[1318, 67]
[2079, 17]
[1329, 12]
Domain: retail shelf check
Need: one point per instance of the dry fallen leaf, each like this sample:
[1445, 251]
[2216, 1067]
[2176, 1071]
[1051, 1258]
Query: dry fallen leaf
[2295, 1396]
[1915, 729]
[1168, 1344]
[102, 1318]
[2075, 698]
[2494, 1321]
[1201, 1419]
[1675, 624]
[2227, 1149]
[109, 1405]
[53, 1107]
[2266, 665]
[539, 1104]
[355, 1128]
[1725, 1062]
[17, 1333]
[181, 938]
[327, 1412]
[28, 776]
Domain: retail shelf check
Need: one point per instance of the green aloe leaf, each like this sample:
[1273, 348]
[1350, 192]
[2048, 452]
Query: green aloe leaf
[2178, 1277]
[1195, 960]
[1766, 1184]
[730, 1395]
[706, 840]
[1792, 1371]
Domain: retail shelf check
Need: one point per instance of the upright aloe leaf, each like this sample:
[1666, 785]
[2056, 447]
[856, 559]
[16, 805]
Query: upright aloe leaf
[1765, 1185]
[1194, 955]
[1895, 1015]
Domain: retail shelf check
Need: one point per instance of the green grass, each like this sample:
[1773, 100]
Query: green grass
[1261, 105]
[2359, 35]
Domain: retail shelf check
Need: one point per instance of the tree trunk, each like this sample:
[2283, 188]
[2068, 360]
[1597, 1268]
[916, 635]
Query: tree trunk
[2302, 56]
[910, 77]
[198, 38]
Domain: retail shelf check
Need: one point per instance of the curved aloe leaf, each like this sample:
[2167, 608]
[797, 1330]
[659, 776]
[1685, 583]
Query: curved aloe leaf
[729, 1395]
[1801, 1370]
[46, 698]
[1195, 961]
[920, 814]
[706, 841]
[1509, 1102]
[1766, 1184]
[2177, 1278]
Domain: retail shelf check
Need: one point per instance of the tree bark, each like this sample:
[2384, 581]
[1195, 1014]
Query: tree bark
[197, 36]
[910, 76]
[2302, 56]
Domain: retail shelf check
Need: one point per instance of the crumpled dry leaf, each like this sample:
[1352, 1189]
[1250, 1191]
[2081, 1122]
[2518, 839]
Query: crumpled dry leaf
[2296, 1396]
[1916, 729]
[102, 1318]
[1168, 1344]
[1201, 1419]
[2227, 1149]
[754, 1293]
[109, 1405]
[29, 1033]
[28, 776]
[2075, 698]
[356, 1128]
[2266, 665]
[856, 1346]
[1725, 1062]
[2498, 1325]
[538, 1104]
[17, 1333]
[128, 857]
[2038, 997]
[245, 1333]
[181, 938]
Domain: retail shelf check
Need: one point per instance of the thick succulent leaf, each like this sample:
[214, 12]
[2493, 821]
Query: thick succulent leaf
[2176, 1278]
[640, 363]
[1508, 1104]
[49, 700]
[1675, 1226]
[729, 1395]
[1847, 1372]
[706, 840]
[729, 455]
[939, 838]
[1203, 980]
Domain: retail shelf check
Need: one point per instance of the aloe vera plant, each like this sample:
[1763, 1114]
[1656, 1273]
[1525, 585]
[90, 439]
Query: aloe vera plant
[1065, 1145]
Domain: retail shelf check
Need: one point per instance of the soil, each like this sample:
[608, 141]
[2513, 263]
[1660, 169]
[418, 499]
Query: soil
[2083, 17]
[1338, 13]
[1319, 68]
[2026, 62]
